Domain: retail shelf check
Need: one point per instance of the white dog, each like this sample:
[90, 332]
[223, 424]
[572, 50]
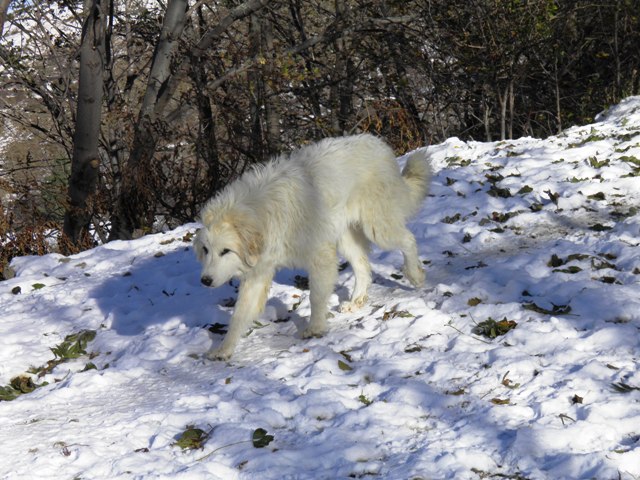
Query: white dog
[296, 211]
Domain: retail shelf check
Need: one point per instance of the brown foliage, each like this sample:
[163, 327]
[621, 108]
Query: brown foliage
[30, 240]
[388, 119]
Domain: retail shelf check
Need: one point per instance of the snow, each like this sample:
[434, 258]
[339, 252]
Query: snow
[403, 389]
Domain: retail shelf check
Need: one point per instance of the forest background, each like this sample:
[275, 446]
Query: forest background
[121, 117]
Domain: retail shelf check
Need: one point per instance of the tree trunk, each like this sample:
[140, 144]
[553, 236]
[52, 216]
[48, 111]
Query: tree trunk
[502, 100]
[255, 80]
[310, 91]
[486, 117]
[206, 141]
[272, 113]
[85, 162]
[342, 81]
[558, 107]
[265, 118]
[512, 102]
[135, 208]
[4, 7]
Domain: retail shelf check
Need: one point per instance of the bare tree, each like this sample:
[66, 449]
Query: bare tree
[135, 210]
[85, 162]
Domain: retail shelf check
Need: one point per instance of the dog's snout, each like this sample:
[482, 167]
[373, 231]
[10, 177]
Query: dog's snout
[206, 281]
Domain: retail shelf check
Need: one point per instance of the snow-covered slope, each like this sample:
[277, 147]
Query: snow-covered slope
[539, 236]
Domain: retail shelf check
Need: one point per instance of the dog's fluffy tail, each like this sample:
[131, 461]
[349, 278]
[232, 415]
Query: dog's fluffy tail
[417, 175]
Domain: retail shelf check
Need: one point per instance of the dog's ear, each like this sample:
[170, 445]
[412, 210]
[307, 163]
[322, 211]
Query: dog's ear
[197, 242]
[211, 213]
[247, 228]
[206, 216]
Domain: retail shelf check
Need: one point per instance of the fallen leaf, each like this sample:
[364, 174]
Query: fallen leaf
[344, 366]
[261, 438]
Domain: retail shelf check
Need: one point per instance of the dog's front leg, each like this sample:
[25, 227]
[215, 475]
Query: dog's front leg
[323, 273]
[252, 298]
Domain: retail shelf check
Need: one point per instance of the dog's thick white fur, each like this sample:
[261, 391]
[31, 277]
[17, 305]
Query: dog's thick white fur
[337, 195]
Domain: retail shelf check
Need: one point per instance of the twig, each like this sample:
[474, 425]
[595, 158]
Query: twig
[463, 333]
[562, 416]
[220, 448]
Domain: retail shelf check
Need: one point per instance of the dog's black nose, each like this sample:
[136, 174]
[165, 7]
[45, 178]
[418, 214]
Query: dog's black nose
[206, 281]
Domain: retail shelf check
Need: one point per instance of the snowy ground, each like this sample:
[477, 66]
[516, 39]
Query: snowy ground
[543, 233]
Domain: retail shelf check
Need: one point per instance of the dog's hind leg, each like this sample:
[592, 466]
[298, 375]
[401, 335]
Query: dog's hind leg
[413, 269]
[252, 298]
[390, 235]
[323, 273]
[354, 246]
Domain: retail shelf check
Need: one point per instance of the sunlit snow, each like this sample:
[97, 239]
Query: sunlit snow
[543, 233]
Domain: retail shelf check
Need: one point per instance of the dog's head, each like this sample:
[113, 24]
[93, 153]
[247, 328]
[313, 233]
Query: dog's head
[228, 246]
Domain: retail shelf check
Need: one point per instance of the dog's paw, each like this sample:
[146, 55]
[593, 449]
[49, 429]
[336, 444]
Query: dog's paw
[415, 276]
[353, 305]
[219, 354]
[313, 332]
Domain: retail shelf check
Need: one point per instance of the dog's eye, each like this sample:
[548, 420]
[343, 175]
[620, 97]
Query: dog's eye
[224, 252]
[205, 250]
